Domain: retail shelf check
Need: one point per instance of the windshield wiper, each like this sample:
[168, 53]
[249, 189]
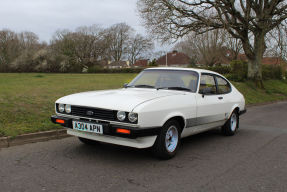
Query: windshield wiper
[175, 88]
[142, 86]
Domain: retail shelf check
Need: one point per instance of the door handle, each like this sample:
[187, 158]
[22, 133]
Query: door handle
[220, 98]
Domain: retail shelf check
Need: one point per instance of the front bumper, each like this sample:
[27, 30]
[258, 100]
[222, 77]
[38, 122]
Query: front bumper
[110, 129]
[242, 112]
[140, 142]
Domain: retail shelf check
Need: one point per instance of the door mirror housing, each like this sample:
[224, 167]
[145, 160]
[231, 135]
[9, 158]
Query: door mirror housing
[206, 91]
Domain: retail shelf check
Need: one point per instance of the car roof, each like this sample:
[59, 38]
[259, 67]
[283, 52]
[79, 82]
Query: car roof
[183, 69]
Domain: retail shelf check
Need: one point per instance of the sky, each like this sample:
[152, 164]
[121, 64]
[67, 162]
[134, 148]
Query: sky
[44, 17]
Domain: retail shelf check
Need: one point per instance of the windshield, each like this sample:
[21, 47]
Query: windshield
[166, 79]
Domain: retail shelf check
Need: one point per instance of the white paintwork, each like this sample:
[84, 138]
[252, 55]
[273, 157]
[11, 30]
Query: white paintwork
[155, 107]
[140, 142]
[118, 99]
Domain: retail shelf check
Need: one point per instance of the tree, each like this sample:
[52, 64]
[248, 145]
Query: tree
[9, 49]
[277, 42]
[117, 37]
[137, 46]
[210, 48]
[247, 20]
[83, 48]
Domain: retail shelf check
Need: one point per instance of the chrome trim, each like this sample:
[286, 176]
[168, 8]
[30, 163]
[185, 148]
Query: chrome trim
[111, 122]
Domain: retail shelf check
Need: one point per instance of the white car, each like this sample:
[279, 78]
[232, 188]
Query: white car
[158, 108]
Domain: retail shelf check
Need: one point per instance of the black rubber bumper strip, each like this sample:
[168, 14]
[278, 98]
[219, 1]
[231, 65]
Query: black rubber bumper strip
[242, 112]
[109, 129]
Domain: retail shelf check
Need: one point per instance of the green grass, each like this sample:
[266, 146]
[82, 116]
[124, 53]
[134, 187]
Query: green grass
[275, 90]
[27, 100]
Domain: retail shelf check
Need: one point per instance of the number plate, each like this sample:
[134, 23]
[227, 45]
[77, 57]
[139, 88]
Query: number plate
[88, 127]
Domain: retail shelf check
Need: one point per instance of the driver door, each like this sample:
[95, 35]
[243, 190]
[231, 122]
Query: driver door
[210, 112]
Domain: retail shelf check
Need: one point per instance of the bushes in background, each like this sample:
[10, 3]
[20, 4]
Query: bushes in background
[272, 72]
[220, 69]
[98, 69]
[237, 71]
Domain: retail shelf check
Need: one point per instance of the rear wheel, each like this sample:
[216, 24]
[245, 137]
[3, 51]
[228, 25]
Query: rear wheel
[88, 141]
[168, 140]
[231, 126]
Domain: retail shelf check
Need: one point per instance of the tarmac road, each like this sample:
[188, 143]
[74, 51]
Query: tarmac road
[253, 160]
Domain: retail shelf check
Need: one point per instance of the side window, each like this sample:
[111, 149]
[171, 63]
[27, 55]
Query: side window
[207, 85]
[222, 86]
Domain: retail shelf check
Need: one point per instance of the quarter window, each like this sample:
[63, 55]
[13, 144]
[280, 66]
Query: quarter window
[223, 86]
[207, 84]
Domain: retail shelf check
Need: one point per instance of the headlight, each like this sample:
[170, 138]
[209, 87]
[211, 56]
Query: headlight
[68, 108]
[133, 117]
[121, 115]
[61, 108]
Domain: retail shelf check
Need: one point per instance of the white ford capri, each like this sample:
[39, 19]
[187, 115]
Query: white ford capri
[158, 108]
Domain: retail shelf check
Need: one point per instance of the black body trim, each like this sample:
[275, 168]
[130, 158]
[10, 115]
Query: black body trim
[242, 112]
[110, 129]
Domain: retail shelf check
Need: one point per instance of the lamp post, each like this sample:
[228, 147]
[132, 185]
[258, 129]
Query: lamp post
[166, 59]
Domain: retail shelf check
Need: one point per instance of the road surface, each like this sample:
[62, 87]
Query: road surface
[253, 160]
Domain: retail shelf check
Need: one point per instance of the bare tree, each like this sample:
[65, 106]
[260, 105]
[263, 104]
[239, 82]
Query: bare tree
[277, 42]
[210, 48]
[234, 45]
[83, 48]
[247, 20]
[117, 37]
[137, 47]
[9, 49]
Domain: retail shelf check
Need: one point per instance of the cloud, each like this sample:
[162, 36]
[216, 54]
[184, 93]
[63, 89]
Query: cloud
[44, 17]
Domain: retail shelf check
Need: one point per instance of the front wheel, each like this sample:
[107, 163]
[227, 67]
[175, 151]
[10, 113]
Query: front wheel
[231, 126]
[168, 140]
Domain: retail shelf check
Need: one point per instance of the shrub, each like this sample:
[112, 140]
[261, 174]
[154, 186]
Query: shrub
[98, 69]
[220, 69]
[153, 63]
[239, 70]
[272, 72]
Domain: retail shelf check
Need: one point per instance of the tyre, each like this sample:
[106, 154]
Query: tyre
[87, 141]
[168, 140]
[232, 124]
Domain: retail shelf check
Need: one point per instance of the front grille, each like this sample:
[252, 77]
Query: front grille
[95, 113]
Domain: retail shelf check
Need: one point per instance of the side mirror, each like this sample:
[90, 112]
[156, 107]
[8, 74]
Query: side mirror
[205, 91]
[125, 85]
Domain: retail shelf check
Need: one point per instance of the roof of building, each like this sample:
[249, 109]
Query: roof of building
[141, 63]
[265, 60]
[174, 58]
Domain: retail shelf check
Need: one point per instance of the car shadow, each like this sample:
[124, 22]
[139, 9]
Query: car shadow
[103, 151]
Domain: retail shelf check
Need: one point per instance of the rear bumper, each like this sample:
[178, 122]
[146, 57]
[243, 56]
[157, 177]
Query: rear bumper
[110, 129]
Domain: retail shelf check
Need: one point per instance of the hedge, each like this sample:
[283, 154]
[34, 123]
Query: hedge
[120, 70]
[237, 71]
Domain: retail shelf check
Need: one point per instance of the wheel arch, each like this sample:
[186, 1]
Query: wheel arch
[179, 118]
[234, 108]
